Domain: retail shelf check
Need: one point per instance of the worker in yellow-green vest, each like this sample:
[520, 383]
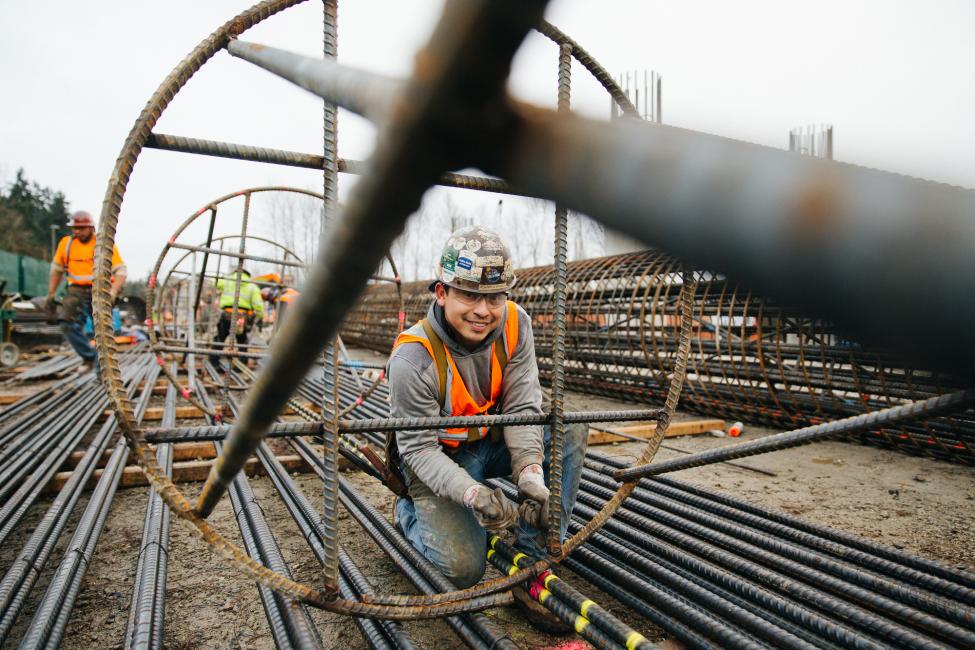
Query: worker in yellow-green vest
[250, 308]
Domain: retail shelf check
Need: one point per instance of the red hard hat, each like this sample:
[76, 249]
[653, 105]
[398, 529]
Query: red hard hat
[81, 219]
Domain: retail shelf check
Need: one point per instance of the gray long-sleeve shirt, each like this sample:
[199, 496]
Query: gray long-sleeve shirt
[414, 392]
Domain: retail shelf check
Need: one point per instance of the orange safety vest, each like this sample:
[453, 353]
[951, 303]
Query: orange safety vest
[461, 402]
[289, 296]
[77, 258]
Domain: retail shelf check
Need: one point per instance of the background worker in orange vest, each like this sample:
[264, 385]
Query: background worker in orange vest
[474, 354]
[75, 256]
[279, 297]
[287, 294]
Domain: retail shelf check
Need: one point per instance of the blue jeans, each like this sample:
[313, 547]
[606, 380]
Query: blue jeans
[75, 311]
[448, 534]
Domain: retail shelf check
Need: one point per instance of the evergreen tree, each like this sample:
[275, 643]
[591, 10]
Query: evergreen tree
[27, 212]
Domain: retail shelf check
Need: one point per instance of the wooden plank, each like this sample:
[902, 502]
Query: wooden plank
[181, 451]
[10, 398]
[604, 435]
[183, 472]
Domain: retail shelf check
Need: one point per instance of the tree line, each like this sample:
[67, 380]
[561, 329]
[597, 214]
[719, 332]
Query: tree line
[27, 212]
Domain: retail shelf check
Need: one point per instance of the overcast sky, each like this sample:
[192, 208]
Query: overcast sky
[894, 78]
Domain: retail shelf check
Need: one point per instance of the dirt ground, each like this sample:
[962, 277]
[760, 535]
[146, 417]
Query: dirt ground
[922, 505]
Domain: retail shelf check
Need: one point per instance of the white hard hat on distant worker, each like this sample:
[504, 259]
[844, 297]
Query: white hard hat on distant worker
[476, 259]
[81, 219]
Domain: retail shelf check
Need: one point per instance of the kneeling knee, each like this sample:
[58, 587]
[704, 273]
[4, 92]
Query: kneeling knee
[464, 570]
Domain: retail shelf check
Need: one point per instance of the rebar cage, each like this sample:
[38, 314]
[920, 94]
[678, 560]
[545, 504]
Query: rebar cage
[444, 118]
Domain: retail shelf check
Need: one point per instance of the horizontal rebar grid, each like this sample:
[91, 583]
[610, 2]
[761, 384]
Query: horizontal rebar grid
[751, 359]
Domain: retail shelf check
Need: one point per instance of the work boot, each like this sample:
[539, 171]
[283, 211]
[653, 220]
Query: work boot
[396, 522]
[535, 613]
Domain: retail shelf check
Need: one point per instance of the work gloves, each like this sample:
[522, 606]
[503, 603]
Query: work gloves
[51, 306]
[534, 494]
[492, 509]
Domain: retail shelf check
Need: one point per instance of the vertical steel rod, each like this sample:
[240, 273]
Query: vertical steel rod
[330, 446]
[238, 276]
[558, 356]
[206, 257]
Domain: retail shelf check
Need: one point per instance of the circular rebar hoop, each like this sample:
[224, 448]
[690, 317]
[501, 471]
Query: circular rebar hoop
[157, 305]
[156, 290]
[477, 597]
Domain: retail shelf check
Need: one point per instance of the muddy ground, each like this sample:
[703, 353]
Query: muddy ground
[922, 505]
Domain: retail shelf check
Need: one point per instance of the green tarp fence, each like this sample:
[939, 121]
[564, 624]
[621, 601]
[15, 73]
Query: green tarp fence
[25, 275]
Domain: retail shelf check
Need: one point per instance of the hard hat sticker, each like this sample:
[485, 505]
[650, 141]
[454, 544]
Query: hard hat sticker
[490, 260]
[465, 262]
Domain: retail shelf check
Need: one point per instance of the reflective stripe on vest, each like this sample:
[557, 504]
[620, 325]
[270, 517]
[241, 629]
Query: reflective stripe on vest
[228, 288]
[461, 402]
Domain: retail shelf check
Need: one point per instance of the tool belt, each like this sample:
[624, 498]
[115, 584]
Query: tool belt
[76, 297]
[245, 319]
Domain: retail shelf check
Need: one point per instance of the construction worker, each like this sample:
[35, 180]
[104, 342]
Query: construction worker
[474, 354]
[250, 308]
[75, 255]
[286, 295]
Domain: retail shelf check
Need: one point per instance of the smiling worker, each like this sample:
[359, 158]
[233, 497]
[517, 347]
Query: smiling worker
[474, 354]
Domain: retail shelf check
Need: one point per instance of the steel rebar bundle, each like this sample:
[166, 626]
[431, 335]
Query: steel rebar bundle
[148, 605]
[22, 575]
[751, 359]
[50, 619]
[716, 571]
[40, 441]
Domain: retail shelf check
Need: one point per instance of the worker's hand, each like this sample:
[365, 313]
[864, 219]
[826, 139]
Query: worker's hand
[492, 508]
[534, 513]
[51, 306]
[531, 483]
[534, 496]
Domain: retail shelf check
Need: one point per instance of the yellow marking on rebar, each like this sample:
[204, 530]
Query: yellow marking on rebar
[543, 594]
[513, 570]
[494, 540]
[585, 607]
[581, 624]
[549, 578]
[517, 557]
[632, 639]
[491, 552]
